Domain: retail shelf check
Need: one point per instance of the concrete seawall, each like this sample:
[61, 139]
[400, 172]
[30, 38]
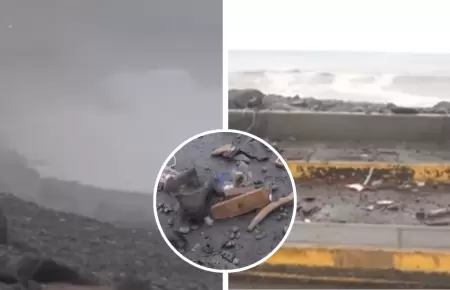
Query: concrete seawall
[341, 126]
[337, 164]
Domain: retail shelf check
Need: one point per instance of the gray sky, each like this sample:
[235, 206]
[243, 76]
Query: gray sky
[350, 25]
[101, 91]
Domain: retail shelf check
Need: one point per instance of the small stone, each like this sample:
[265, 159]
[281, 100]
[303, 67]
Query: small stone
[393, 207]
[229, 244]
[235, 229]
[258, 182]
[420, 215]
[264, 169]
[279, 217]
[260, 236]
[228, 256]
[236, 261]
[242, 158]
[170, 222]
[237, 236]
[232, 236]
[195, 247]
[209, 221]
[208, 249]
[285, 229]
[184, 230]
[194, 227]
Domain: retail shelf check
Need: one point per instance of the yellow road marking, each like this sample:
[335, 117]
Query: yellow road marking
[365, 258]
[337, 170]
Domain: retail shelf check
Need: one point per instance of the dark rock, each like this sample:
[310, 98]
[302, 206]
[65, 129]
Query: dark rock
[178, 240]
[228, 256]
[299, 103]
[443, 106]
[33, 268]
[260, 236]
[242, 158]
[186, 177]
[3, 228]
[405, 110]
[241, 99]
[194, 205]
[229, 244]
[208, 249]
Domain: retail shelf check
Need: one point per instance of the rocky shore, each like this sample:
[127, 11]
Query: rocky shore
[108, 237]
[255, 99]
[101, 253]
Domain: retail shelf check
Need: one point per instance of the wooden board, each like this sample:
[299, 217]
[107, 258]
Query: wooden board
[241, 204]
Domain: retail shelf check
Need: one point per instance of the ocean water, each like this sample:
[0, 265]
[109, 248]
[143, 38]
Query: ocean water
[102, 97]
[401, 78]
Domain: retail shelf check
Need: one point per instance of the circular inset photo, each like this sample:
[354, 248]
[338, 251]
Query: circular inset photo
[224, 201]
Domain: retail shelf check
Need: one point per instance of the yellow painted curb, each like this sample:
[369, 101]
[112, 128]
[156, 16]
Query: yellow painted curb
[364, 259]
[321, 279]
[337, 170]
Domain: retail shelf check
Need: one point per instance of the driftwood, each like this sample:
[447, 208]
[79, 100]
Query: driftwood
[236, 191]
[241, 204]
[264, 212]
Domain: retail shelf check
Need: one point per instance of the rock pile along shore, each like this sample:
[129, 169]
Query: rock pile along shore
[255, 99]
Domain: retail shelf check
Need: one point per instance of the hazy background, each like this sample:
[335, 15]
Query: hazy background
[409, 79]
[101, 91]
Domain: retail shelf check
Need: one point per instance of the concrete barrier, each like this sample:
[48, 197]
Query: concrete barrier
[341, 126]
[362, 235]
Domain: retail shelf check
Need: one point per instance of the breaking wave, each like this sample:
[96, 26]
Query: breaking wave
[405, 90]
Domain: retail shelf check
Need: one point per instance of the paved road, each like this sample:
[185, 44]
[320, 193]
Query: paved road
[249, 249]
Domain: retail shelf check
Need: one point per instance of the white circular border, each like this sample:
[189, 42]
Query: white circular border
[155, 211]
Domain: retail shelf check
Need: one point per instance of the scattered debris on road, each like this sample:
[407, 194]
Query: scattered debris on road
[244, 192]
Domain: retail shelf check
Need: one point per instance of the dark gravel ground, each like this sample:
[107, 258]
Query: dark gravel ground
[108, 252]
[106, 233]
[251, 98]
[249, 247]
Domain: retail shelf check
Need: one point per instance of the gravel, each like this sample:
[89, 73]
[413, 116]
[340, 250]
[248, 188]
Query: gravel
[108, 252]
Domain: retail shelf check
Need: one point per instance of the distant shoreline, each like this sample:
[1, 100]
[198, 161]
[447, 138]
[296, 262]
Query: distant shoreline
[255, 99]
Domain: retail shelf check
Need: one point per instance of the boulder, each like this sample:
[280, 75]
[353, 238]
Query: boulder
[248, 98]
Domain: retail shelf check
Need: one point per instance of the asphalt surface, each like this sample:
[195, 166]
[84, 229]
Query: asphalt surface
[336, 203]
[249, 247]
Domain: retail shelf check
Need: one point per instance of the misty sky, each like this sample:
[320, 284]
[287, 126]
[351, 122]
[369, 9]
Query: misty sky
[351, 25]
[101, 91]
